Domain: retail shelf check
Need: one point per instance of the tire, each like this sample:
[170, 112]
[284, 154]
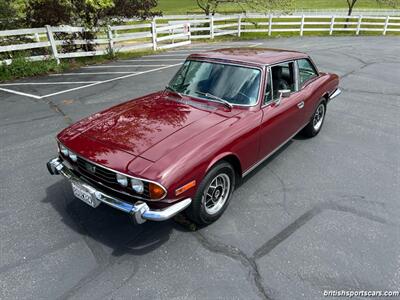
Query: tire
[317, 120]
[213, 195]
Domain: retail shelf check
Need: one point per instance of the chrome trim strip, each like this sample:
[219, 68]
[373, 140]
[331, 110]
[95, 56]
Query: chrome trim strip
[270, 154]
[139, 211]
[336, 93]
[127, 175]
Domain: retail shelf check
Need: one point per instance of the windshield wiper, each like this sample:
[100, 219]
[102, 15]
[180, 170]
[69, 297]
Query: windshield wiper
[170, 88]
[220, 100]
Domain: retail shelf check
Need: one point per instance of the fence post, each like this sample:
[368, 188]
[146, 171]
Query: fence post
[270, 25]
[37, 37]
[212, 27]
[53, 45]
[332, 25]
[189, 32]
[154, 34]
[386, 25]
[110, 39]
[359, 25]
[302, 25]
[239, 25]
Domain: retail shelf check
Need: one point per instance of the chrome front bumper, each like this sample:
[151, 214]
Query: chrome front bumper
[140, 211]
[336, 93]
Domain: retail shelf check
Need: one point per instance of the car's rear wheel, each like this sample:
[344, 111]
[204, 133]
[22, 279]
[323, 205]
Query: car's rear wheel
[213, 195]
[317, 120]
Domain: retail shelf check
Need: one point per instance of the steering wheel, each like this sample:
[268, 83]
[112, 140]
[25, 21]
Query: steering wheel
[244, 95]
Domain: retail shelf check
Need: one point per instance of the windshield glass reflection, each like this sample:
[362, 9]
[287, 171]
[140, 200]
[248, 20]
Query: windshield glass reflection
[235, 84]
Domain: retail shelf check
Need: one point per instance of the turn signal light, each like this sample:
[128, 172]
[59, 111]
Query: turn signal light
[184, 188]
[156, 191]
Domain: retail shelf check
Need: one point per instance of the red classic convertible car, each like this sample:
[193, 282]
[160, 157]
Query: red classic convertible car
[188, 146]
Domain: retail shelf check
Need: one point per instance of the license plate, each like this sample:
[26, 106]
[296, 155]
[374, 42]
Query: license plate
[85, 195]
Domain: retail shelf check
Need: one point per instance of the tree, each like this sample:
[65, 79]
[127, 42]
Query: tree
[352, 3]
[88, 13]
[209, 6]
[8, 9]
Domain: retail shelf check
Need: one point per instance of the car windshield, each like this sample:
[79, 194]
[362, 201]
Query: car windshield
[218, 82]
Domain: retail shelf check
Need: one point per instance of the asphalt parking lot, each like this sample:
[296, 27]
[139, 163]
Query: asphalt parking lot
[321, 214]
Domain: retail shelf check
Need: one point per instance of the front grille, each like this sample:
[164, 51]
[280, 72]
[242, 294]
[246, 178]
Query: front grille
[98, 172]
[106, 178]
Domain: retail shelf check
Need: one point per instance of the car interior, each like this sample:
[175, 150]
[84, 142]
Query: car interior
[283, 78]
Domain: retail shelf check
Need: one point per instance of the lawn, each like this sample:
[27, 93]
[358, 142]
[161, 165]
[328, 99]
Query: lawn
[190, 6]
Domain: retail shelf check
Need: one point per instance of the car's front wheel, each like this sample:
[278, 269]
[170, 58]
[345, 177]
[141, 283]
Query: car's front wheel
[316, 122]
[213, 194]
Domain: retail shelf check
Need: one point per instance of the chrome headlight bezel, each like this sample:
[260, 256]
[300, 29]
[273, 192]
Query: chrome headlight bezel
[122, 180]
[73, 156]
[63, 150]
[137, 185]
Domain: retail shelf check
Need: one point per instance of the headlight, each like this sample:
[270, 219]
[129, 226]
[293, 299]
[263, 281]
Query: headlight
[73, 156]
[137, 185]
[64, 150]
[122, 180]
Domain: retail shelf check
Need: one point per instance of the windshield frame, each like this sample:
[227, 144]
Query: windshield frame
[230, 63]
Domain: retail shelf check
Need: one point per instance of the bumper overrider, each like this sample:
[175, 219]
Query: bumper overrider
[336, 93]
[139, 211]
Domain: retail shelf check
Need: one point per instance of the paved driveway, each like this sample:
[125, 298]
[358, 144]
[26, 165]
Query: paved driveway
[322, 214]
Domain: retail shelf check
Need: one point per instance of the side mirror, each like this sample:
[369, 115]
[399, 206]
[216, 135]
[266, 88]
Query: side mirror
[282, 94]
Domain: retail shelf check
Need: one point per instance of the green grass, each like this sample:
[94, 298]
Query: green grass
[190, 6]
[20, 67]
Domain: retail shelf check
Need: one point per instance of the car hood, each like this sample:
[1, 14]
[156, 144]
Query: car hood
[149, 126]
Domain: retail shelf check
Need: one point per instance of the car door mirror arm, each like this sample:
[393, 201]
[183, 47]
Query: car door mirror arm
[282, 94]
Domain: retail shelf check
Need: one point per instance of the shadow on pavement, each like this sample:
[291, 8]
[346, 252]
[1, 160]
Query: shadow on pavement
[106, 225]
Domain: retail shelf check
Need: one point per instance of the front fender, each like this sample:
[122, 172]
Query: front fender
[223, 156]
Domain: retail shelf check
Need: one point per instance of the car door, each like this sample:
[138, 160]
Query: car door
[282, 117]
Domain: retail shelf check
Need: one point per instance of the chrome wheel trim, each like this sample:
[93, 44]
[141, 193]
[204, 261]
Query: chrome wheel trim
[319, 117]
[216, 194]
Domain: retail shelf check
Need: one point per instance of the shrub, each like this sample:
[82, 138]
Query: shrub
[21, 67]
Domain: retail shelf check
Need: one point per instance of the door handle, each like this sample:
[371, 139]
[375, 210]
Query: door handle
[300, 105]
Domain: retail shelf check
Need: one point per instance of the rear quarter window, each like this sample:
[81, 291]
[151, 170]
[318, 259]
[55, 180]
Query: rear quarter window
[307, 71]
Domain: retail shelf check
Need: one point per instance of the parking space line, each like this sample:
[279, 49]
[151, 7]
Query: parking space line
[160, 59]
[47, 83]
[168, 55]
[189, 50]
[20, 93]
[109, 80]
[124, 66]
[92, 73]
[255, 45]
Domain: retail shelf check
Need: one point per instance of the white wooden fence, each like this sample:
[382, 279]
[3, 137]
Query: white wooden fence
[175, 31]
[119, 38]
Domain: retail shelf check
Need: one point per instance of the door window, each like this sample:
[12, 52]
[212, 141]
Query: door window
[306, 71]
[281, 77]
